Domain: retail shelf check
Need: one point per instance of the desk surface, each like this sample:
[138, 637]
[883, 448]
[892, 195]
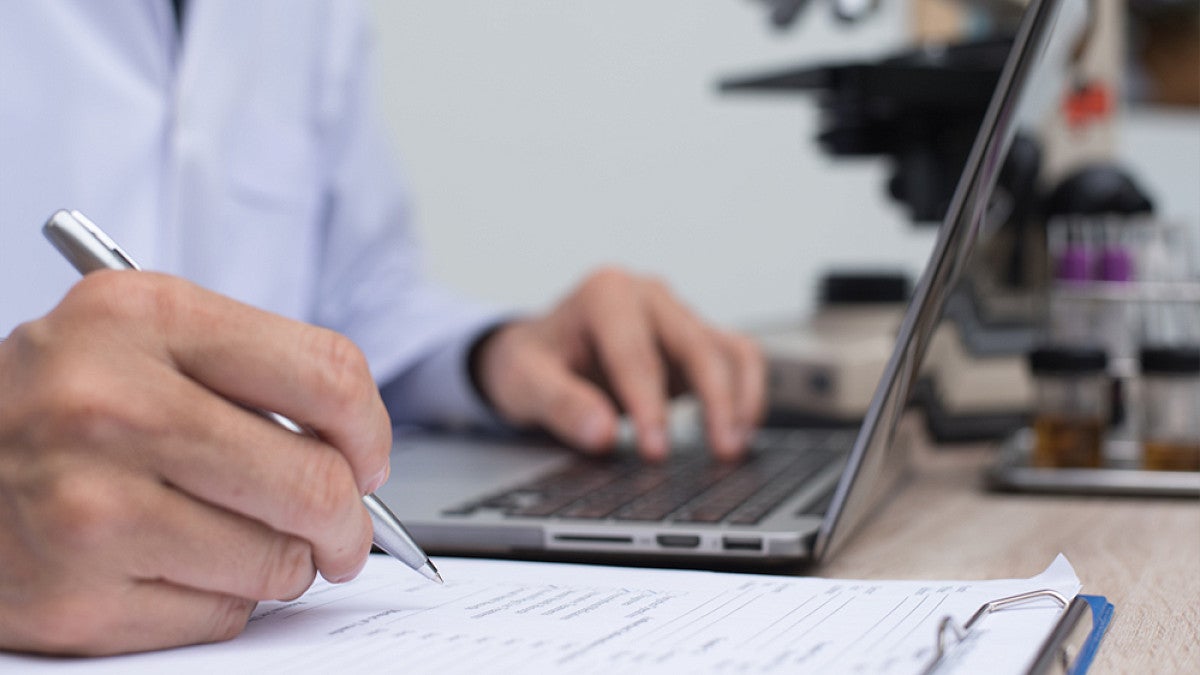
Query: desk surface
[1144, 554]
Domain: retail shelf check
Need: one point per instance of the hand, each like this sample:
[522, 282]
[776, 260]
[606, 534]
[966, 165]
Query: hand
[139, 507]
[622, 340]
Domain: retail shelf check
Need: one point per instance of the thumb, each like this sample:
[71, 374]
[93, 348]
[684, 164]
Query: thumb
[543, 391]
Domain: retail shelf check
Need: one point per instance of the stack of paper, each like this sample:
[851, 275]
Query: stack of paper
[500, 616]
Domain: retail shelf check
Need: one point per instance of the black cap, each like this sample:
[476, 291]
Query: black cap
[1171, 360]
[1097, 190]
[1067, 359]
[851, 288]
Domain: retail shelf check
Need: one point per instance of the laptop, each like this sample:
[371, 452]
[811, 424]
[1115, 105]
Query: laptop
[796, 499]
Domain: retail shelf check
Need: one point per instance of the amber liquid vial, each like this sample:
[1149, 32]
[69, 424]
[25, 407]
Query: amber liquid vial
[1068, 443]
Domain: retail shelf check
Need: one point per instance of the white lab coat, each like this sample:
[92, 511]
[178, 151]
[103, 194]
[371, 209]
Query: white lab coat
[247, 156]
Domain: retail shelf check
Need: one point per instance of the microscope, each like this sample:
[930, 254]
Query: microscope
[919, 110]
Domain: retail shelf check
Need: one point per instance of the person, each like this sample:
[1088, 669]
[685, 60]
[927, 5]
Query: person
[235, 147]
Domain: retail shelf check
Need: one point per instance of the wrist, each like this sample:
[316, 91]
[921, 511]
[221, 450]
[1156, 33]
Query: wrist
[477, 355]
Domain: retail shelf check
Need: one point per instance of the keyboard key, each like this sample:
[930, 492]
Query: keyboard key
[691, 488]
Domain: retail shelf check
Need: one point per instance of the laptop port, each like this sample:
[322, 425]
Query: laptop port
[593, 539]
[678, 540]
[742, 543]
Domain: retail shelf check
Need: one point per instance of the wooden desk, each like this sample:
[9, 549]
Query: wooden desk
[1144, 554]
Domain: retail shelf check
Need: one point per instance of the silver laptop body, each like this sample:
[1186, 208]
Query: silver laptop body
[488, 496]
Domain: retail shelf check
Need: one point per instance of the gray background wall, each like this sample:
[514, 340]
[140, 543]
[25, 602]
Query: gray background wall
[543, 138]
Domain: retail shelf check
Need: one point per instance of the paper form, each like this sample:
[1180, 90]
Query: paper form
[508, 617]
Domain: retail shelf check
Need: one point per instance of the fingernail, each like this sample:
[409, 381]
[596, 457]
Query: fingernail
[344, 578]
[592, 431]
[654, 441]
[379, 479]
[734, 438]
[748, 434]
[350, 576]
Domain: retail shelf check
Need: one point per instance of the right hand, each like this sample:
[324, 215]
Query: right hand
[139, 507]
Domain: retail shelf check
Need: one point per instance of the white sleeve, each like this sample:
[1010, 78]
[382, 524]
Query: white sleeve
[371, 285]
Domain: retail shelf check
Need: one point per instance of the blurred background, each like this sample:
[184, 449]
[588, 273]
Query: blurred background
[541, 139]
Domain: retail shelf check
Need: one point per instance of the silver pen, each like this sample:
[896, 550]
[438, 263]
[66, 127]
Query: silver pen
[88, 248]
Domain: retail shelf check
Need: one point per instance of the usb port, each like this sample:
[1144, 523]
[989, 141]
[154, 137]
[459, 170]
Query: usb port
[679, 540]
[742, 543]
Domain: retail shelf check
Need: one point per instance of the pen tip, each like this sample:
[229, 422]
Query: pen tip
[431, 573]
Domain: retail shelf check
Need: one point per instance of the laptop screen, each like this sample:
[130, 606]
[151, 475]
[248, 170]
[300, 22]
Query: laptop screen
[1049, 29]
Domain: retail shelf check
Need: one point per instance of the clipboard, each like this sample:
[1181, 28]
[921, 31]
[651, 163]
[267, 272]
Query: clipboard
[1069, 648]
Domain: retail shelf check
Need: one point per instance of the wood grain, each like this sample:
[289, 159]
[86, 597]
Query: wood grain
[1144, 554]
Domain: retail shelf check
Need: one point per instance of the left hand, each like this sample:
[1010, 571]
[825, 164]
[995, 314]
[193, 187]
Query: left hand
[622, 342]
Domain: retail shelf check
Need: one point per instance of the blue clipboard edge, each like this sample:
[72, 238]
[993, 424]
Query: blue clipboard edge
[1102, 613]
[1051, 655]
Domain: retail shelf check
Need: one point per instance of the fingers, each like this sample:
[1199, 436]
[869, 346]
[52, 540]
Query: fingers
[228, 456]
[131, 463]
[157, 608]
[192, 544]
[126, 564]
[749, 382]
[623, 335]
[153, 615]
[531, 384]
[568, 406]
[622, 331]
[260, 359]
[167, 347]
[118, 523]
[312, 375]
[726, 370]
[702, 358]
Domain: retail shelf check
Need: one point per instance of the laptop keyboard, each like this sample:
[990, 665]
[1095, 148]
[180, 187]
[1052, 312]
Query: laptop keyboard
[691, 488]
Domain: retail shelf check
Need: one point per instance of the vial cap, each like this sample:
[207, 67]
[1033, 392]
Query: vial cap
[850, 288]
[1067, 360]
[1181, 360]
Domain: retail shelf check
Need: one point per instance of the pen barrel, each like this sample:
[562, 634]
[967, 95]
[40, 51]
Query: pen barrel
[391, 535]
